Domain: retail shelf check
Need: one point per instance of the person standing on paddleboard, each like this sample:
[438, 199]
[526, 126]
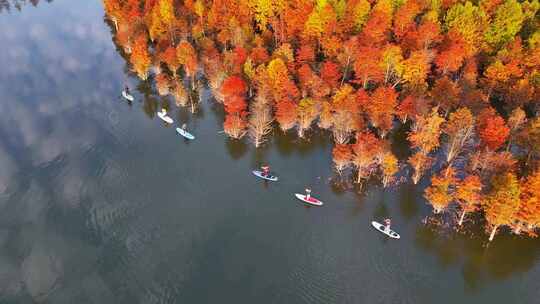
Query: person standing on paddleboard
[387, 223]
[265, 170]
[126, 89]
[308, 194]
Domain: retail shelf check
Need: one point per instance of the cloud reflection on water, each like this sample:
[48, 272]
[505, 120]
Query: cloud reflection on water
[54, 78]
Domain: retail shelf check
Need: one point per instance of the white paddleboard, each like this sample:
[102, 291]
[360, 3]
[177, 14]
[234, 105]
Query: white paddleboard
[185, 134]
[270, 178]
[390, 233]
[164, 117]
[312, 201]
[127, 96]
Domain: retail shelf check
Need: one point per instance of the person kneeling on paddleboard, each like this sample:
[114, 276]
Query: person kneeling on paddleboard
[387, 223]
[184, 127]
[308, 194]
[265, 170]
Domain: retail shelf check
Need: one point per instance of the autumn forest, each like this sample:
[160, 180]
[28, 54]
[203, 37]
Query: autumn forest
[462, 78]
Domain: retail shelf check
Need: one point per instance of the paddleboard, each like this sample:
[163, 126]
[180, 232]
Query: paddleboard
[270, 178]
[127, 96]
[312, 201]
[164, 117]
[185, 133]
[390, 233]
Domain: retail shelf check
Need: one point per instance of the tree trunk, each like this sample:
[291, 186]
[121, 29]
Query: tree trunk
[416, 176]
[301, 132]
[386, 180]
[346, 70]
[461, 218]
[447, 170]
[518, 228]
[359, 177]
[452, 151]
[202, 26]
[492, 235]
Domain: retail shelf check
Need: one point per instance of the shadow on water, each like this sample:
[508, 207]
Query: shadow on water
[259, 156]
[184, 115]
[409, 200]
[288, 142]
[400, 144]
[480, 262]
[381, 211]
[340, 184]
[236, 148]
[150, 106]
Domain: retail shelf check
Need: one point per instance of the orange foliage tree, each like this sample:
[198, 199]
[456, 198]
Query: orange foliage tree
[366, 152]
[468, 195]
[140, 57]
[528, 216]
[381, 108]
[342, 157]
[440, 192]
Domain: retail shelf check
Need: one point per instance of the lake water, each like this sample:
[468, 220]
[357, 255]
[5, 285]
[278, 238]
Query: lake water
[100, 202]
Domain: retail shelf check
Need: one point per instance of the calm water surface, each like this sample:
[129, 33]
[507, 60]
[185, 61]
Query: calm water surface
[100, 202]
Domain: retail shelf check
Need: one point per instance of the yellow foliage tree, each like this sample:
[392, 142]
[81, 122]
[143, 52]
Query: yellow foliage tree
[502, 203]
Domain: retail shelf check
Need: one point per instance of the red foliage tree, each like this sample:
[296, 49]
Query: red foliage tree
[492, 129]
[305, 54]
[342, 157]
[234, 91]
[330, 73]
[286, 114]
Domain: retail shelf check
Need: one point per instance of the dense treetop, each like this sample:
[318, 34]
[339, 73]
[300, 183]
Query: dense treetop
[462, 77]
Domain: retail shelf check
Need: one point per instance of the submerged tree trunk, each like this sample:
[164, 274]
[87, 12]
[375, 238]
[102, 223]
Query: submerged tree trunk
[386, 181]
[492, 235]
[301, 131]
[518, 229]
[416, 176]
[260, 121]
[359, 177]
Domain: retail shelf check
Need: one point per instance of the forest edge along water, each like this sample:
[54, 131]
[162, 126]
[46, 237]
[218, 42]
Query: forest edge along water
[102, 203]
[434, 77]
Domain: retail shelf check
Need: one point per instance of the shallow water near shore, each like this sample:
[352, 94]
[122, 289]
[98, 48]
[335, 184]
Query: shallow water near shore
[101, 202]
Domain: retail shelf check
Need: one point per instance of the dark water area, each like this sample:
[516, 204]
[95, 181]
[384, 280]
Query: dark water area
[100, 202]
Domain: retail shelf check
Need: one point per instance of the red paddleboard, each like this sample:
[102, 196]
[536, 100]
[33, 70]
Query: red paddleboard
[312, 201]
